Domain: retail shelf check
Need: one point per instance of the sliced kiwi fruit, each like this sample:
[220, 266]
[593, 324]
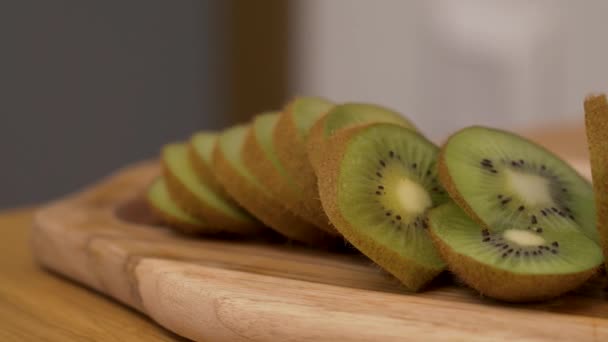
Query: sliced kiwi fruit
[198, 199]
[200, 151]
[502, 181]
[344, 116]
[250, 192]
[163, 206]
[377, 183]
[513, 263]
[289, 141]
[596, 118]
[260, 157]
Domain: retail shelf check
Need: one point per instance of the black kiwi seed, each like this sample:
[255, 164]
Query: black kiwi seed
[499, 196]
[521, 161]
[543, 212]
[554, 251]
[505, 201]
[388, 213]
[378, 193]
[414, 166]
[543, 167]
[391, 154]
[514, 163]
[379, 174]
[539, 230]
[521, 208]
[517, 253]
[382, 163]
[485, 232]
[398, 217]
[554, 209]
[380, 187]
[493, 171]
[534, 221]
[555, 244]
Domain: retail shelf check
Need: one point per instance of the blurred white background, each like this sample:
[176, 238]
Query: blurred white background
[447, 64]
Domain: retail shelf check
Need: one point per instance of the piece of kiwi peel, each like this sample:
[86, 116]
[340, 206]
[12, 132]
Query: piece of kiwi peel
[256, 200]
[290, 145]
[503, 285]
[596, 122]
[191, 204]
[279, 184]
[448, 184]
[411, 274]
[178, 224]
[203, 169]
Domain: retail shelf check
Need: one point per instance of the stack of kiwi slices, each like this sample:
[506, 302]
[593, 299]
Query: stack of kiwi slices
[506, 216]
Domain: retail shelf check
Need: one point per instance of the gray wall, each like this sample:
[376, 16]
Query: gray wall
[88, 86]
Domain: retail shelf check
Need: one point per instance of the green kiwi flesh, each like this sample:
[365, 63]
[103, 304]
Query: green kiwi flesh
[167, 210]
[201, 154]
[377, 183]
[261, 159]
[306, 111]
[346, 116]
[198, 199]
[513, 263]
[354, 114]
[251, 193]
[502, 180]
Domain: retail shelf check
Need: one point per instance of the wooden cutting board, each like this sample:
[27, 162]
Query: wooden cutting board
[215, 290]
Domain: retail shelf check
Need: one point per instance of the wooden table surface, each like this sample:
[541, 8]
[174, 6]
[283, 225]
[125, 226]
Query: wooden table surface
[38, 305]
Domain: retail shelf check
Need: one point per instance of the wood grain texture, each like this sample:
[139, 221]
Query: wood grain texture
[40, 306]
[217, 290]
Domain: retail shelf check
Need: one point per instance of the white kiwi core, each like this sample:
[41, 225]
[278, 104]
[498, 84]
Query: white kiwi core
[523, 238]
[414, 199]
[533, 190]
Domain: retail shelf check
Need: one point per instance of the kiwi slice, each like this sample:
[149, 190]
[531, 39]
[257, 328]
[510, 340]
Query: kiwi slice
[200, 151]
[502, 181]
[198, 199]
[165, 208]
[511, 263]
[250, 192]
[377, 183]
[289, 141]
[344, 116]
[260, 157]
[596, 118]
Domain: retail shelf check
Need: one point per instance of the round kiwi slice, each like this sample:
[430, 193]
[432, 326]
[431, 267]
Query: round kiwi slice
[260, 157]
[238, 181]
[165, 208]
[596, 120]
[345, 116]
[511, 263]
[289, 141]
[198, 199]
[502, 180]
[377, 183]
[200, 151]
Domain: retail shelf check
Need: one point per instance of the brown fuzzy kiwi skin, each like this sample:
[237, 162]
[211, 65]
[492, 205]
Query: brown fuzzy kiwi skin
[205, 174]
[193, 206]
[265, 208]
[596, 122]
[413, 276]
[291, 152]
[506, 286]
[315, 144]
[261, 167]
